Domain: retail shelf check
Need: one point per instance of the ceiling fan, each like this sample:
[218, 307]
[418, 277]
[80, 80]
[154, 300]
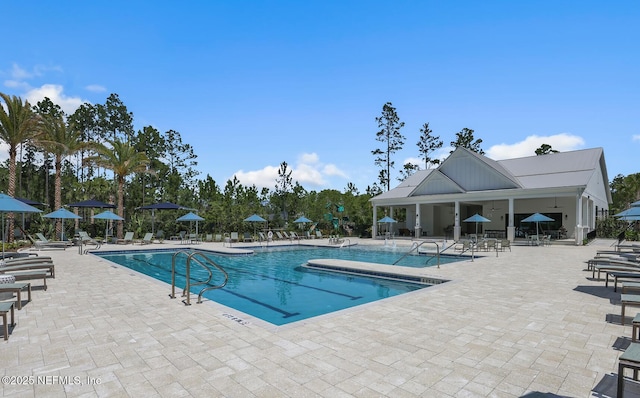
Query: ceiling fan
[555, 204]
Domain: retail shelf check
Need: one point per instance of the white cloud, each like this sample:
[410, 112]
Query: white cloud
[265, 177]
[635, 137]
[96, 88]
[560, 142]
[309, 171]
[55, 93]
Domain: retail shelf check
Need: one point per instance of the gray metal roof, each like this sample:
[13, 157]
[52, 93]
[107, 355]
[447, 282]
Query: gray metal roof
[556, 170]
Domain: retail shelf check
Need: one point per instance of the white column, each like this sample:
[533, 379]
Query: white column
[456, 224]
[418, 227]
[511, 228]
[578, 227]
[374, 229]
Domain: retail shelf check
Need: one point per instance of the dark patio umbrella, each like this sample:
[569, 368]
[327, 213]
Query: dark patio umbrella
[160, 206]
[11, 205]
[62, 214]
[92, 203]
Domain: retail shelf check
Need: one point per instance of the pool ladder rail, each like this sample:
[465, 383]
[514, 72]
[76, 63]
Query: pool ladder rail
[416, 245]
[200, 259]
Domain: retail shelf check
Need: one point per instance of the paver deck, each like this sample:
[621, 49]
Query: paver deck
[530, 321]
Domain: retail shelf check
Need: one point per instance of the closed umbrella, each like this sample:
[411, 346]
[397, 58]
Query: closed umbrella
[11, 205]
[62, 214]
[108, 215]
[161, 206]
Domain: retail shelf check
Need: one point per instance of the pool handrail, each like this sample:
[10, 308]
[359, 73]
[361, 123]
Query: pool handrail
[191, 255]
[416, 245]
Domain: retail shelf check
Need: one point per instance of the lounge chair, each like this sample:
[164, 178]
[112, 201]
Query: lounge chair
[87, 240]
[247, 237]
[45, 265]
[279, 235]
[194, 238]
[208, 238]
[234, 237]
[218, 238]
[318, 234]
[128, 238]
[148, 239]
[294, 235]
[43, 243]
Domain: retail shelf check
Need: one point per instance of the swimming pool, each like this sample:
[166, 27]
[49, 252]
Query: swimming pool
[272, 284]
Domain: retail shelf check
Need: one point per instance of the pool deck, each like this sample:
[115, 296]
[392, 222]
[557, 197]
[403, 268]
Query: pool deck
[529, 322]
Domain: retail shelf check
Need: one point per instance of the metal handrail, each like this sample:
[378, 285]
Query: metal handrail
[345, 240]
[187, 290]
[415, 246]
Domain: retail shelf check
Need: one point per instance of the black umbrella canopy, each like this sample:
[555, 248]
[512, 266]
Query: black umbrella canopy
[164, 206]
[92, 203]
[29, 202]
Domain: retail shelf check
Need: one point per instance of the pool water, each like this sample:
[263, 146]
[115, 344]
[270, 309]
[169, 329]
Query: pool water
[272, 284]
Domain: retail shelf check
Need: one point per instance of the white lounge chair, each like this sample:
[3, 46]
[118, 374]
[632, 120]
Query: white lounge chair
[128, 238]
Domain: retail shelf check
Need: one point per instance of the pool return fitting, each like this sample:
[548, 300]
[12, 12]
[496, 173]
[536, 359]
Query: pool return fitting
[203, 261]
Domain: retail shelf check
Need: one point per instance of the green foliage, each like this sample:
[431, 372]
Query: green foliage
[545, 149]
[465, 139]
[427, 144]
[389, 134]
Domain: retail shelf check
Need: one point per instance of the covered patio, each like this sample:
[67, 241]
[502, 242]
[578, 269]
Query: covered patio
[570, 187]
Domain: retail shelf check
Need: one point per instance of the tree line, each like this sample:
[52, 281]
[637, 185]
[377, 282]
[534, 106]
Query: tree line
[95, 153]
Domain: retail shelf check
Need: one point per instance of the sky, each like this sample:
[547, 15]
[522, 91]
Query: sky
[252, 84]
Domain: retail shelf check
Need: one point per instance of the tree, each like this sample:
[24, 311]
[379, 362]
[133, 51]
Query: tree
[389, 134]
[407, 171]
[465, 139]
[123, 159]
[284, 186]
[57, 140]
[545, 149]
[428, 144]
[18, 124]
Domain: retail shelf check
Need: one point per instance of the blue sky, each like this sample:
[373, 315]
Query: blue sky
[251, 84]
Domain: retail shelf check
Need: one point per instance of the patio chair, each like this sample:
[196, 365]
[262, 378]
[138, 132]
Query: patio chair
[247, 237]
[87, 240]
[318, 234]
[294, 235]
[279, 235]
[160, 236]
[208, 238]
[183, 237]
[148, 239]
[128, 238]
[194, 238]
[234, 237]
[218, 238]
[504, 244]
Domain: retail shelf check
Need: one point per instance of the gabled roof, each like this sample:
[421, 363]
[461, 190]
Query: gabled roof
[465, 171]
[559, 169]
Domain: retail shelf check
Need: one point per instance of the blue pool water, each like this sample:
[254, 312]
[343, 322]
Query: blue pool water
[272, 284]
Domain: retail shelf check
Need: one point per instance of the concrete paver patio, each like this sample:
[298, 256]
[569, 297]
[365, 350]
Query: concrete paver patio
[525, 323]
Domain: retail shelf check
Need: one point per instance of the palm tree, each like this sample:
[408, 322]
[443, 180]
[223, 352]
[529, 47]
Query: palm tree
[18, 124]
[123, 159]
[60, 141]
